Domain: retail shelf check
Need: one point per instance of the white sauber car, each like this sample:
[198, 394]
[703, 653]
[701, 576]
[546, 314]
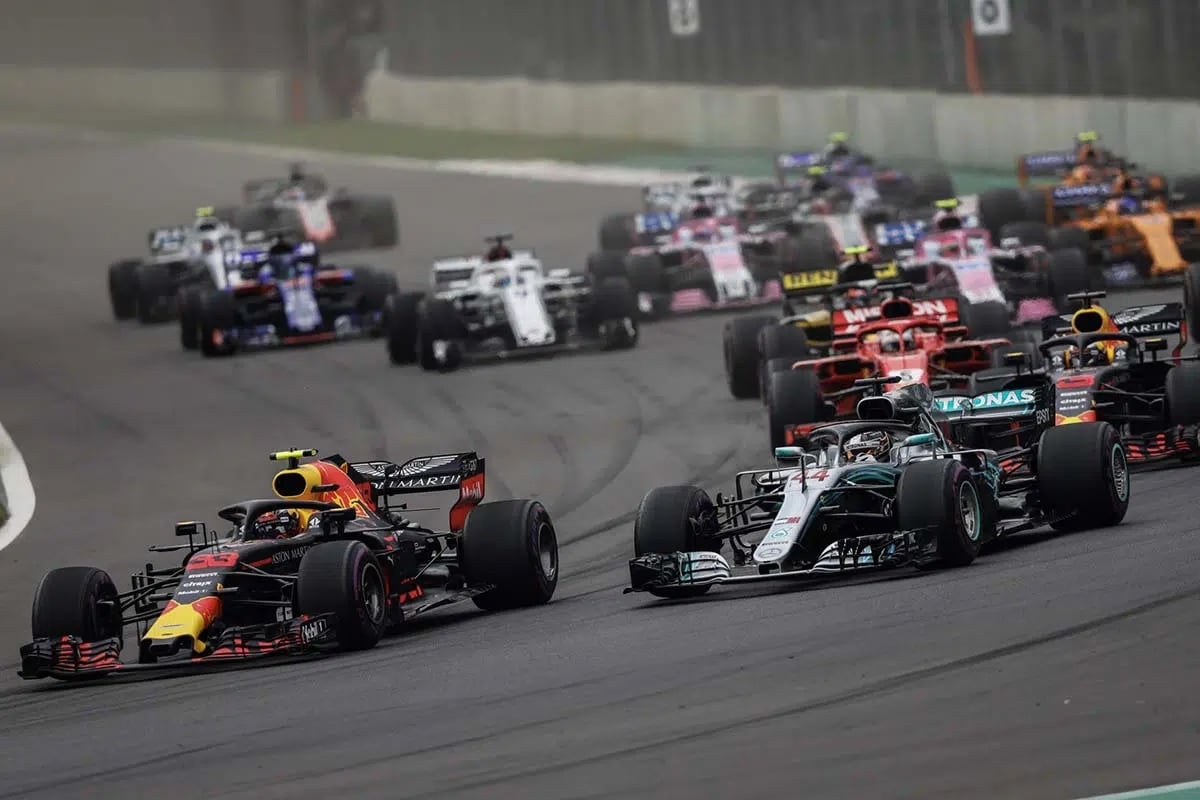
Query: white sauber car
[179, 256]
[506, 303]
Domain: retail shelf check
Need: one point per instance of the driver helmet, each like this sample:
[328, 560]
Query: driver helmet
[282, 524]
[296, 172]
[1129, 205]
[947, 218]
[867, 447]
[498, 252]
[837, 147]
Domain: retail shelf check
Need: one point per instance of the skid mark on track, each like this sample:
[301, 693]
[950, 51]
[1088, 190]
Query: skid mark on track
[466, 423]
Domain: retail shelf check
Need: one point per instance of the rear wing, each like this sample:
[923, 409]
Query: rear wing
[1005, 404]
[828, 281]
[661, 194]
[1087, 194]
[167, 240]
[899, 234]
[439, 473]
[794, 162]
[848, 321]
[1140, 321]
[1040, 165]
[655, 222]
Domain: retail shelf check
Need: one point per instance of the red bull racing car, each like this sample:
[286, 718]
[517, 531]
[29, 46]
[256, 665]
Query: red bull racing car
[327, 564]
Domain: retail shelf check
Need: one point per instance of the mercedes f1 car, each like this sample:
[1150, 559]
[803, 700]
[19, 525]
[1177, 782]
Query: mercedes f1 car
[180, 256]
[505, 304]
[1098, 367]
[303, 203]
[884, 490]
[329, 564]
[278, 292]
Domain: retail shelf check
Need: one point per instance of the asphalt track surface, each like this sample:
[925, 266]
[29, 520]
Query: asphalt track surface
[1053, 667]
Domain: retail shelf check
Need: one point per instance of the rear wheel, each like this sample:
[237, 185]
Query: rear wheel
[940, 498]
[1068, 276]
[344, 578]
[1083, 476]
[676, 519]
[189, 317]
[607, 264]
[616, 233]
[511, 545]
[1026, 233]
[740, 349]
[76, 601]
[1183, 394]
[1000, 207]
[438, 328]
[218, 316]
[1191, 298]
[613, 312]
[154, 290]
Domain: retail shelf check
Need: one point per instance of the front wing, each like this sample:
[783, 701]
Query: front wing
[71, 658]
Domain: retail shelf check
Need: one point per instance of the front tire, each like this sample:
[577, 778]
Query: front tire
[676, 519]
[123, 288]
[76, 601]
[941, 498]
[740, 346]
[344, 578]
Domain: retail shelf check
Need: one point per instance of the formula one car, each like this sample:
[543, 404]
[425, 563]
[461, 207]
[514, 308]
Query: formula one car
[329, 565]
[506, 304]
[663, 205]
[706, 262]
[853, 181]
[1017, 281]
[1099, 367]
[910, 341]
[278, 292]
[884, 490]
[180, 256]
[1086, 162]
[303, 203]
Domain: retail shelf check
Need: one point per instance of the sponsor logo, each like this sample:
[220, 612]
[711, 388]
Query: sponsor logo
[920, 308]
[471, 489]
[793, 281]
[1151, 327]
[427, 482]
[768, 553]
[313, 630]
[1012, 397]
[285, 556]
[419, 465]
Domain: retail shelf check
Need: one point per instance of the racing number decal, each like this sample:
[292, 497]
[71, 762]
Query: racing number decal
[209, 560]
[808, 280]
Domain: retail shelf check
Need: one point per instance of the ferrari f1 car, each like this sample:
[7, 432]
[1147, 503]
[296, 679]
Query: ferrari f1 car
[912, 342]
[884, 490]
[1098, 367]
[278, 292]
[506, 304]
[180, 256]
[303, 203]
[330, 564]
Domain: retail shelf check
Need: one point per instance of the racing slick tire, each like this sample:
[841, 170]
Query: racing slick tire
[217, 315]
[190, 300]
[1026, 232]
[606, 264]
[123, 288]
[1183, 394]
[940, 496]
[1082, 476]
[1068, 275]
[1191, 297]
[985, 320]
[616, 233]
[154, 292]
[511, 545]
[77, 601]
[676, 519]
[438, 320]
[1068, 238]
[401, 315]
[614, 314]
[740, 346]
[928, 188]
[779, 346]
[344, 578]
[793, 398]
[375, 287]
[1000, 207]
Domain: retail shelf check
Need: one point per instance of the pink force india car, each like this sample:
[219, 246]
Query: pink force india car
[707, 261]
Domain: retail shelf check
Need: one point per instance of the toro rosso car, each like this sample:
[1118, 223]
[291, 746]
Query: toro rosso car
[505, 304]
[181, 256]
[1098, 367]
[884, 490]
[304, 204]
[913, 342]
[278, 293]
[328, 565]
